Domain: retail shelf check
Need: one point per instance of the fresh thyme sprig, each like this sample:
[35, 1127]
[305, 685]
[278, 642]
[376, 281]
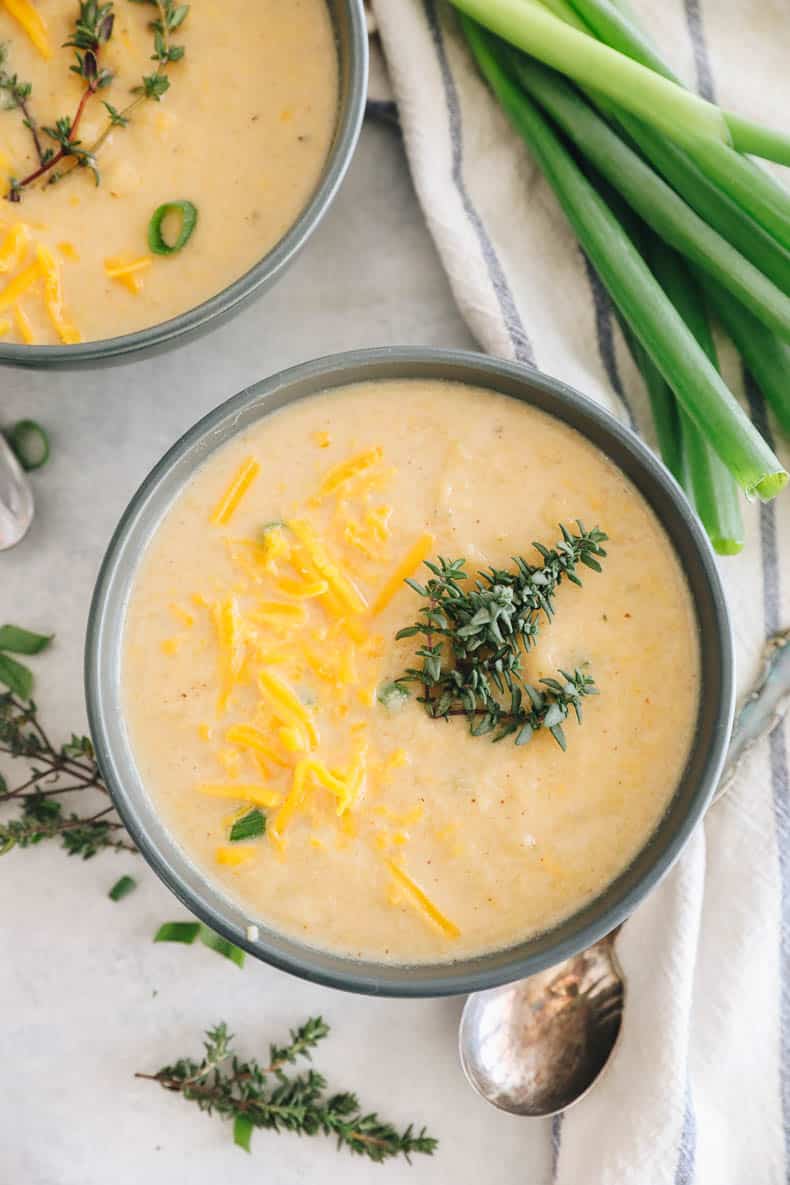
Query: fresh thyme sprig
[49, 771]
[474, 640]
[264, 1096]
[92, 31]
[17, 95]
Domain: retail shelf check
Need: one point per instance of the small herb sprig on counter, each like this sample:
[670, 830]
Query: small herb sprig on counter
[49, 771]
[265, 1096]
[474, 640]
[93, 30]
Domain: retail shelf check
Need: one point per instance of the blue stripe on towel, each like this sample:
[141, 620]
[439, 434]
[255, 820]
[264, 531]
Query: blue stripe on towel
[522, 347]
[780, 782]
[702, 66]
[556, 1141]
[604, 334]
[687, 1150]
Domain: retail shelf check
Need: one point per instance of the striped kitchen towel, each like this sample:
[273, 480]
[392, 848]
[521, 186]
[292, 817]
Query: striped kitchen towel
[699, 1090]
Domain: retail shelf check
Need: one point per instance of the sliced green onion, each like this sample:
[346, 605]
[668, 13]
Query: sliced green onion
[189, 216]
[250, 826]
[632, 286]
[221, 945]
[526, 24]
[122, 888]
[242, 1132]
[663, 407]
[185, 932]
[16, 677]
[767, 359]
[19, 641]
[713, 490]
[652, 198]
[29, 443]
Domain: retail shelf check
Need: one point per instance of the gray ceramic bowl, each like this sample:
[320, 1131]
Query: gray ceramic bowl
[348, 17]
[103, 670]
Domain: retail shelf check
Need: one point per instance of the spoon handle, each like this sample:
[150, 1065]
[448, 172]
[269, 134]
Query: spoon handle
[16, 498]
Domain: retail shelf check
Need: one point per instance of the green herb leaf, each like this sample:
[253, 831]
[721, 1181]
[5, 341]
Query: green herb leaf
[221, 945]
[392, 696]
[122, 888]
[185, 932]
[189, 216]
[29, 443]
[19, 641]
[242, 1132]
[250, 826]
[16, 677]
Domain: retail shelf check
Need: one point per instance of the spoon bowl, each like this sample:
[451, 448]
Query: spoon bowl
[537, 1046]
[16, 499]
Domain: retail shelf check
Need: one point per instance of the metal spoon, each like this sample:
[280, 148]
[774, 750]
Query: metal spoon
[16, 498]
[536, 1047]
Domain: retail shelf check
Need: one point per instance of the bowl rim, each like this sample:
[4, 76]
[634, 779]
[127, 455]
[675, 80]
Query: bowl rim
[352, 96]
[496, 967]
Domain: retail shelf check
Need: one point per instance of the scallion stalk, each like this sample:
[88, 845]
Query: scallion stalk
[663, 407]
[654, 319]
[660, 207]
[714, 492]
[751, 187]
[618, 31]
[766, 358]
[529, 26]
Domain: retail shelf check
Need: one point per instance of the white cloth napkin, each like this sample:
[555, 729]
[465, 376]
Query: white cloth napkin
[699, 1089]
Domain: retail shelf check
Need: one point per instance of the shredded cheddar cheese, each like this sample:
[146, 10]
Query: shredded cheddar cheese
[5, 326]
[20, 284]
[241, 791]
[13, 246]
[53, 296]
[423, 902]
[228, 503]
[234, 857]
[31, 20]
[23, 326]
[408, 565]
[341, 586]
[340, 474]
[287, 704]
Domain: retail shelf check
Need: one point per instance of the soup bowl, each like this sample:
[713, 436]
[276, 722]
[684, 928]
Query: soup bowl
[351, 42]
[115, 752]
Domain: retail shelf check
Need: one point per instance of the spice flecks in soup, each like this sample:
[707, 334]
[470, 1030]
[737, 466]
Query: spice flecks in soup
[260, 655]
[242, 132]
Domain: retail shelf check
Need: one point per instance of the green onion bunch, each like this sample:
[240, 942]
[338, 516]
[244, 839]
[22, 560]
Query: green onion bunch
[678, 221]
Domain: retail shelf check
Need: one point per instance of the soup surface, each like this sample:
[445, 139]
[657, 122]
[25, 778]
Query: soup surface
[242, 132]
[260, 642]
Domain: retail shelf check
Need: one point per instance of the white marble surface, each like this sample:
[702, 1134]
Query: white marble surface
[85, 997]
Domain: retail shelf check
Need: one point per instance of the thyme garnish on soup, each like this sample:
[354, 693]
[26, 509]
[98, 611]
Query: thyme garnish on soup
[475, 637]
[93, 30]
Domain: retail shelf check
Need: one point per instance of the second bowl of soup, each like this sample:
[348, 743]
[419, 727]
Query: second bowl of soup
[410, 672]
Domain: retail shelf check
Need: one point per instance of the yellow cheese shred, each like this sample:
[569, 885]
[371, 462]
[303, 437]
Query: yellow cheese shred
[423, 901]
[19, 285]
[128, 271]
[410, 562]
[5, 326]
[248, 737]
[338, 475]
[23, 326]
[31, 20]
[233, 857]
[53, 296]
[231, 649]
[13, 246]
[340, 585]
[241, 792]
[228, 503]
[292, 804]
[287, 704]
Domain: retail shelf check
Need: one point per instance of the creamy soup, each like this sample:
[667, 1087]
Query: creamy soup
[260, 643]
[242, 132]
